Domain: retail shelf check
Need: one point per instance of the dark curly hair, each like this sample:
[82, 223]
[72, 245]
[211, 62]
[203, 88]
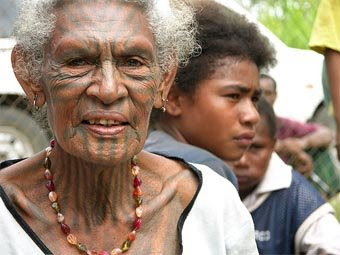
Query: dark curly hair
[223, 33]
[267, 113]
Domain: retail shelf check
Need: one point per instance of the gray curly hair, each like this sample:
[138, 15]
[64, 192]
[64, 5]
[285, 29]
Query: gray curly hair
[171, 21]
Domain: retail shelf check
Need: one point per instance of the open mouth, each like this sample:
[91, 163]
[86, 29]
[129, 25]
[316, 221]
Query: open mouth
[104, 122]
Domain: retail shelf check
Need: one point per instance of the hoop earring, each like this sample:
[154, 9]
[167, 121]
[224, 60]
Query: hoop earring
[36, 108]
[163, 108]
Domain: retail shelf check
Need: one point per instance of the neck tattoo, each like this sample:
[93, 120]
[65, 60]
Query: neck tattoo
[71, 238]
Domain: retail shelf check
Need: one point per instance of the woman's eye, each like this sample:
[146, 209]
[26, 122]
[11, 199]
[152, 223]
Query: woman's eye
[77, 62]
[133, 62]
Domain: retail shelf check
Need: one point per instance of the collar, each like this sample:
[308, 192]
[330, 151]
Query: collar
[278, 176]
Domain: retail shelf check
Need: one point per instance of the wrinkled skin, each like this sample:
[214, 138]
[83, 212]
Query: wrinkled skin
[108, 66]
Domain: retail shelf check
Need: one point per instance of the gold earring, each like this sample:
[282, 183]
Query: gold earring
[164, 100]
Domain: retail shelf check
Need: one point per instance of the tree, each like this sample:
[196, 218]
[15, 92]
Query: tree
[290, 20]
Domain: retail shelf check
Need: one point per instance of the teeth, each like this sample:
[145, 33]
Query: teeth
[103, 122]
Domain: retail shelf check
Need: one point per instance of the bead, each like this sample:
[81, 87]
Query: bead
[48, 151]
[60, 218]
[139, 201]
[52, 196]
[126, 246]
[139, 211]
[137, 192]
[65, 228]
[47, 163]
[134, 160]
[48, 175]
[91, 252]
[137, 224]
[132, 236]
[56, 207]
[52, 143]
[135, 170]
[116, 251]
[72, 239]
[50, 185]
[137, 182]
[81, 247]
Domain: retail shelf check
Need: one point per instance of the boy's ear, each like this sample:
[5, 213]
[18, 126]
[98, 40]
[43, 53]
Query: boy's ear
[164, 87]
[32, 90]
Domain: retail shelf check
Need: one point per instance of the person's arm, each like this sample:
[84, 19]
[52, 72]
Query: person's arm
[320, 138]
[293, 154]
[293, 148]
[332, 58]
[319, 233]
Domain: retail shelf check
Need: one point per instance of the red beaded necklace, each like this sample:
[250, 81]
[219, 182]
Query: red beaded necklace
[71, 238]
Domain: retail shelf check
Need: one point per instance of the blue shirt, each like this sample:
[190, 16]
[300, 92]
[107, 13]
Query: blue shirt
[159, 142]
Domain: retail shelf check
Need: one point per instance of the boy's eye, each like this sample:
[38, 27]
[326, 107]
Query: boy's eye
[233, 96]
[255, 99]
[255, 147]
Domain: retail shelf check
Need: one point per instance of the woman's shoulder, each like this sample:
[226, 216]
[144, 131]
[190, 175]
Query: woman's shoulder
[18, 171]
[173, 174]
[10, 162]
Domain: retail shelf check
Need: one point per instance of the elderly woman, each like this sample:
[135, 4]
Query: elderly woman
[100, 67]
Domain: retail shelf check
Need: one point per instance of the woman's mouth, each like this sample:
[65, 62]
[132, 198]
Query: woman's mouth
[104, 122]
[104, 127]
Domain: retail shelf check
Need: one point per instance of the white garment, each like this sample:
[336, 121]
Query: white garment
[320, 229]
[217, 224]
[13, 239]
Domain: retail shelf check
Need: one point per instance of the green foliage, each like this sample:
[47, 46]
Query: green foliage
[290, 20]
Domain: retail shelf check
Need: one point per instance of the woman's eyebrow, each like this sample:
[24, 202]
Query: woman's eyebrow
[71, 47]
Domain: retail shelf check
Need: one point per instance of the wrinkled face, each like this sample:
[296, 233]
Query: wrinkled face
[268, 90]
[221, 116]
[100, 79]
[251, 168]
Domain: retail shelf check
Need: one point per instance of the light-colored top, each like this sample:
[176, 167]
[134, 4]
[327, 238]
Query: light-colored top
[320, 229]
[215, 222]
[326, 30]
[218, 222]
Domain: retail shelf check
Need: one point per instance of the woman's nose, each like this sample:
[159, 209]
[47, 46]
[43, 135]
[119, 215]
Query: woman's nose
[108, 85]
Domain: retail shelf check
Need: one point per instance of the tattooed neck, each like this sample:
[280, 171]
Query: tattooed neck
[95, 191]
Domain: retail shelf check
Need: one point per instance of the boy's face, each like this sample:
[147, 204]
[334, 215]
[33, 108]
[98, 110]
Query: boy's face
[221, 116]
[268, 90]
[251, 168]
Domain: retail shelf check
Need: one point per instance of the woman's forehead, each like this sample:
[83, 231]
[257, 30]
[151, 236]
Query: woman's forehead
[98, 19]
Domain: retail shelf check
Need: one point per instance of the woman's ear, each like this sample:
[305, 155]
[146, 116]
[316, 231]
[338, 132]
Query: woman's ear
[164, 87]
[32, 90]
